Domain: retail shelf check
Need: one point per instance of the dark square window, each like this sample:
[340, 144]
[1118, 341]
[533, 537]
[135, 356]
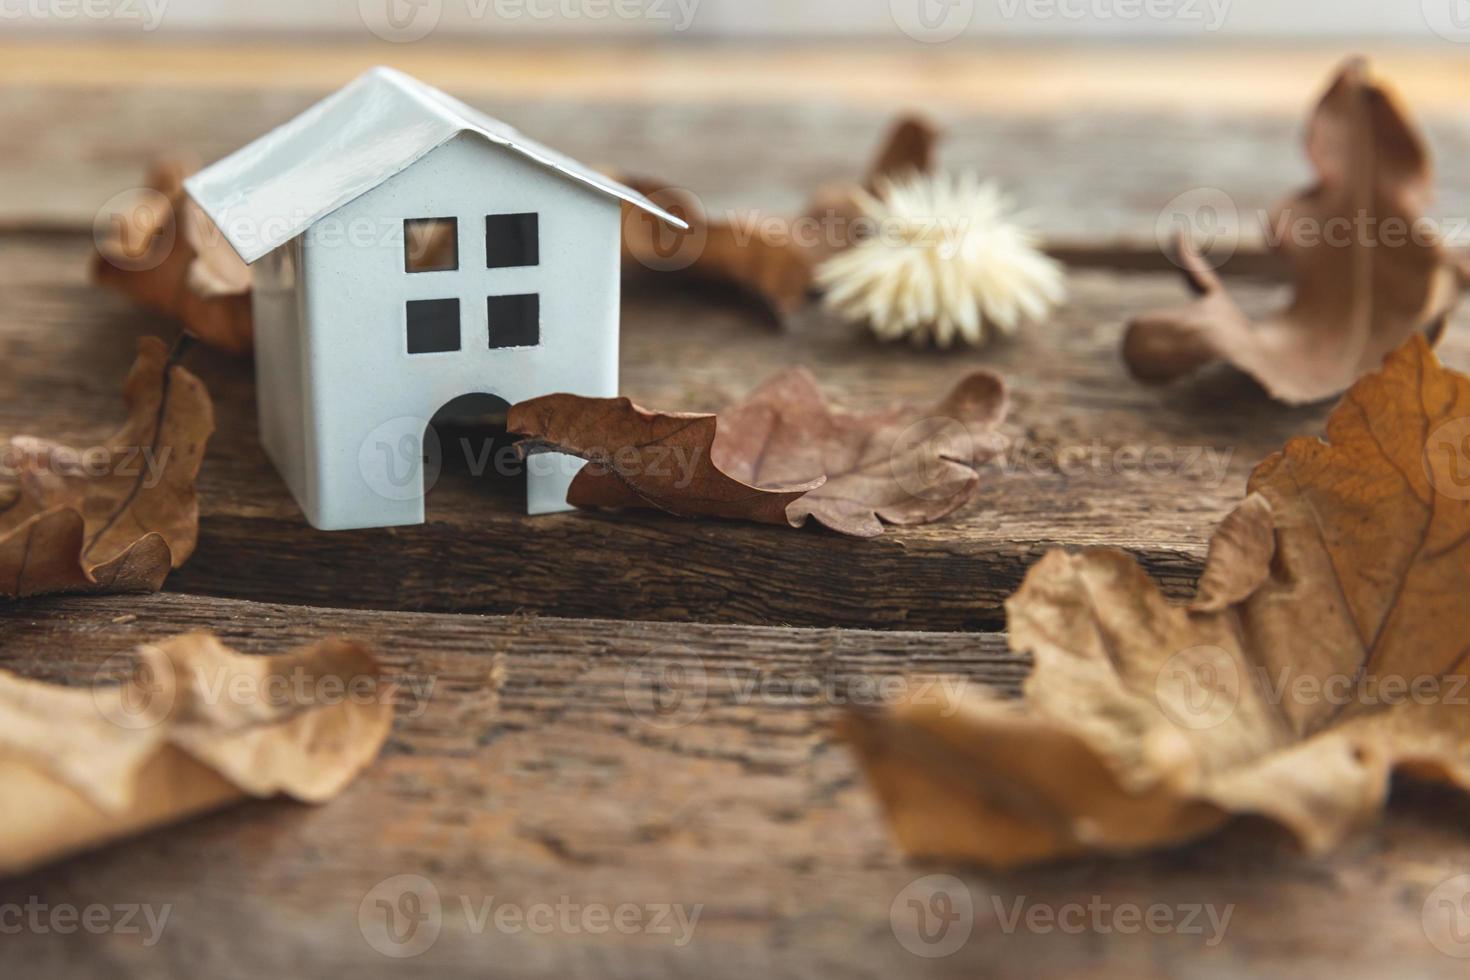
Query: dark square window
[512, 240]
[431, 245]
[433, 326]
[515, 321]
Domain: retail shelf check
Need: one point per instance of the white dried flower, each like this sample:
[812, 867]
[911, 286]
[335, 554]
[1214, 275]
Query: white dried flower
[947, 261]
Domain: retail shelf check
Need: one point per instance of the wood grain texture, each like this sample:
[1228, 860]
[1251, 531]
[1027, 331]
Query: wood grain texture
[1097, 460]
[1001, 76]
[1089, 178]
[527, 767]
[537, 769]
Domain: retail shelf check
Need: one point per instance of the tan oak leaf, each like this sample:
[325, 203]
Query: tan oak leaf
[771, 256]
[195, 727]
[782, 456]
[1328, 647]
[1369, 272]
[116, 517]
[644, 459]
[900, 465]
[166, 254]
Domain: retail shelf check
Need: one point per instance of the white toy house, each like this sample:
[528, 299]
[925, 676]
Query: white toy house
[363, 333]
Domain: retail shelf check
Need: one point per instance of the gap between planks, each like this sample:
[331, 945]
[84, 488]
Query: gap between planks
[67, 344]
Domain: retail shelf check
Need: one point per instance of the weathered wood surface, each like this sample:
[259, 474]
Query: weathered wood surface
[1088, 178]
[539, 769]
[529, 767]
[66, 345]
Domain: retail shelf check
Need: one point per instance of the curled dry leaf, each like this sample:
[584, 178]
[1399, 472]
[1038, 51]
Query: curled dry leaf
[1326, 649]
[908, 151]
[770, 256]
[196, 727]
[645, 459]
[1369, 273]
[901, 465]
[718, 251]
[120, 516]
[782, 456]
[167, 255]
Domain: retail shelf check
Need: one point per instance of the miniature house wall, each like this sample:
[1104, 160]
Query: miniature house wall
[352, 395]
[357, 346]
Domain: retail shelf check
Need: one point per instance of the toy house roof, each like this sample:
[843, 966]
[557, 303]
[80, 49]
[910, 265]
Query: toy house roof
[267, 193]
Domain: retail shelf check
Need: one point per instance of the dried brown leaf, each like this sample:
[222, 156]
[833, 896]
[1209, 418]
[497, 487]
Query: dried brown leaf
[197, 726]
[1326, 650]
[781, 456]
[771, 256]
[910, 148]
[715, 251]
[117, 517]
[638, 458]
[167, 255]
[901, 465]
[1357, 299]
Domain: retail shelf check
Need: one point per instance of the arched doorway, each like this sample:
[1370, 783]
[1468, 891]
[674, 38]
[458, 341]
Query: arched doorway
[470, 461]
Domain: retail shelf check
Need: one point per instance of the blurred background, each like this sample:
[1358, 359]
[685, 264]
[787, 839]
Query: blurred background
[753, 19]
[753, 102]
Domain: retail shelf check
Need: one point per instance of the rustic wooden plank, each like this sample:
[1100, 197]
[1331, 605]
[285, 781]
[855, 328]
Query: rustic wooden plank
[534, 772]
[530, 776]
[66, 346]
[996, 75]
[1087, 177]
